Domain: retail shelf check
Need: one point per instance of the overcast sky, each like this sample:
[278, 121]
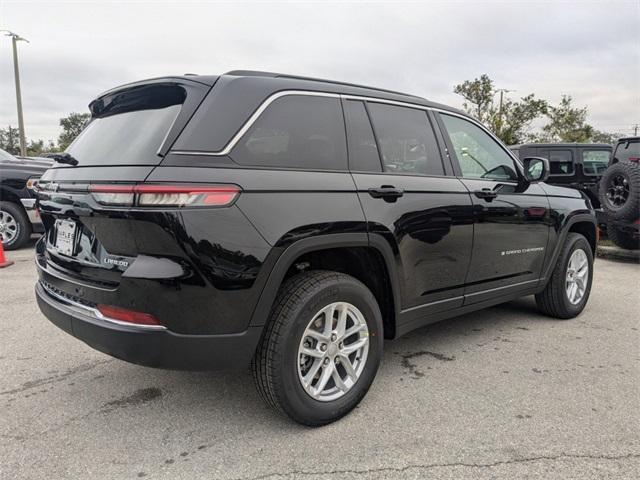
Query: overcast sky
[590, 50]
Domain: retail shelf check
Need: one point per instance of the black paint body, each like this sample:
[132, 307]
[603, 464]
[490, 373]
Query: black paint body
[210, 275]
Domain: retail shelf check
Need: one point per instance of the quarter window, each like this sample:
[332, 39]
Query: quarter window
[296, 131]
[406, 139]
[595, 162]
[479, 155]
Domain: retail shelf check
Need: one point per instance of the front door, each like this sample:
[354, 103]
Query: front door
[420, 212]
[511, 227]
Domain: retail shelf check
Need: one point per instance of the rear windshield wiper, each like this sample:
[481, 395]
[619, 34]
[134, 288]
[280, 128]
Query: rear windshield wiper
[64, 158]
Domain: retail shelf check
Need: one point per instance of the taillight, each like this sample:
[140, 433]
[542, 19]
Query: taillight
[634, 159]
[165, 195]
[127, 316]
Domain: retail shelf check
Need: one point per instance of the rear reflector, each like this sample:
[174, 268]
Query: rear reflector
[165, 195]
[128, 316]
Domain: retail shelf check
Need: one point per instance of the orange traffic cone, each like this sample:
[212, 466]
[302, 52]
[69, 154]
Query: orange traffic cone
[3, 261]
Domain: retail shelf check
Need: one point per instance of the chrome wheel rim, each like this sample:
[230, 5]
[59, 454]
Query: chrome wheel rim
[333, 351]
[9, 228]
[577, 276]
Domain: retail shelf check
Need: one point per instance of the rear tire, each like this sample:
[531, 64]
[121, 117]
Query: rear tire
[15, 228]
[279, 367]
[567, 291]
[622, 239]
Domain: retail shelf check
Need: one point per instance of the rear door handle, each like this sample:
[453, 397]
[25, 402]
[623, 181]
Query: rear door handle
[486, 193]
[387, 192]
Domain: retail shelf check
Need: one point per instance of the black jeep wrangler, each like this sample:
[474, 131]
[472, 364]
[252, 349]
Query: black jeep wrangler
[575, 165]
[293, 224]
[620, 194]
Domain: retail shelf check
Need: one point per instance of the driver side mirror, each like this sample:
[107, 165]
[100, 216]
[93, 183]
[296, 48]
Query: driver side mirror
[536, 169]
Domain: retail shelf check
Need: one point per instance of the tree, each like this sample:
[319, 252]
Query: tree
[567, 123]
[71, 125]
[509, 120]
[10, 140]
[599, 136]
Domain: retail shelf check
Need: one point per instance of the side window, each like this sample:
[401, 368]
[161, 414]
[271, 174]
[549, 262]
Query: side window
[595, 162]
[296, 131]
[406, 139]
[479, 155]
[560, 162]
[363, 151]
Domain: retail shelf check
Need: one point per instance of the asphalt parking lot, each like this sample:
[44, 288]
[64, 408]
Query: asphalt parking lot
[503, 393]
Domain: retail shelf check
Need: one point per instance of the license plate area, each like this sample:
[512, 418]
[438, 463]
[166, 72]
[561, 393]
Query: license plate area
[65, 237]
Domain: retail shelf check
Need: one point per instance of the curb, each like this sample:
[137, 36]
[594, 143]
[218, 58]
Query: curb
[617, 253]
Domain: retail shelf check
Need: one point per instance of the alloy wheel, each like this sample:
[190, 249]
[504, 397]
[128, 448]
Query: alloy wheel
[333, 351]
[577, 276]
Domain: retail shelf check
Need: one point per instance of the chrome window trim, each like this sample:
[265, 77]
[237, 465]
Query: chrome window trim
[263, 106]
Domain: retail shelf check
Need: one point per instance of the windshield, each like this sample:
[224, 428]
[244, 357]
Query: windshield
[130, 138]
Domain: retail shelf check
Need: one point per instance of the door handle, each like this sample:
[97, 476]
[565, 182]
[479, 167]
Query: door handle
[486, 193]
[388, 193]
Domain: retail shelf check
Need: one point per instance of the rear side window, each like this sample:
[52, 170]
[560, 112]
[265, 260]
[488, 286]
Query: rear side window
[296, 131]
[406, 139]
[363, 151]
[595, 162]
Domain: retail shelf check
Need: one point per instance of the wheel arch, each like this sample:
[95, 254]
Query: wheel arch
[345, 252]
[582, 223]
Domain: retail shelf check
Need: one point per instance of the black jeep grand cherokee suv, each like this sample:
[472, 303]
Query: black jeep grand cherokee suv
[293, 223]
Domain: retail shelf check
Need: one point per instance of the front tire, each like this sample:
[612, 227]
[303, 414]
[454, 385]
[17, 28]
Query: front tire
[567, 292]
[321, 347]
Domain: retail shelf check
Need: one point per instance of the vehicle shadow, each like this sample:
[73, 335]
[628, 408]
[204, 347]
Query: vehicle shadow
[227, 399]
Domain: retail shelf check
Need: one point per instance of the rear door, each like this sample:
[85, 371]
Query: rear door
[411, 202]
[511, 226]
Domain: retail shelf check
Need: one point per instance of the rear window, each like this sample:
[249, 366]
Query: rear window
[296, 131]
[627, 151]
[128, 128]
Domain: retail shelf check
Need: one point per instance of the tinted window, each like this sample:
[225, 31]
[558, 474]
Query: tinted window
[128, 138]
[628, 151]
[595, 162]
[296, 131]
[479, 155]
[406, 139]
[363, 151]
[560, 161]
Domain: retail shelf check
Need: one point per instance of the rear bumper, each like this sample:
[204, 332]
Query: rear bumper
[159, 348]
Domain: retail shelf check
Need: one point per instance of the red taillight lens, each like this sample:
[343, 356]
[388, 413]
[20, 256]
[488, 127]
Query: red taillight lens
[634, 159]
[129, 316]
[165, 195]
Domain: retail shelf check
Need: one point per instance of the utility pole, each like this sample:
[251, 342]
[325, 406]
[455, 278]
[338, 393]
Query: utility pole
[502, 92]
[635, 130]
[15, 38]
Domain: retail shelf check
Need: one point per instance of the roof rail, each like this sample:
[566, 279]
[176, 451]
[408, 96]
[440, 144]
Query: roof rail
[255, 73]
